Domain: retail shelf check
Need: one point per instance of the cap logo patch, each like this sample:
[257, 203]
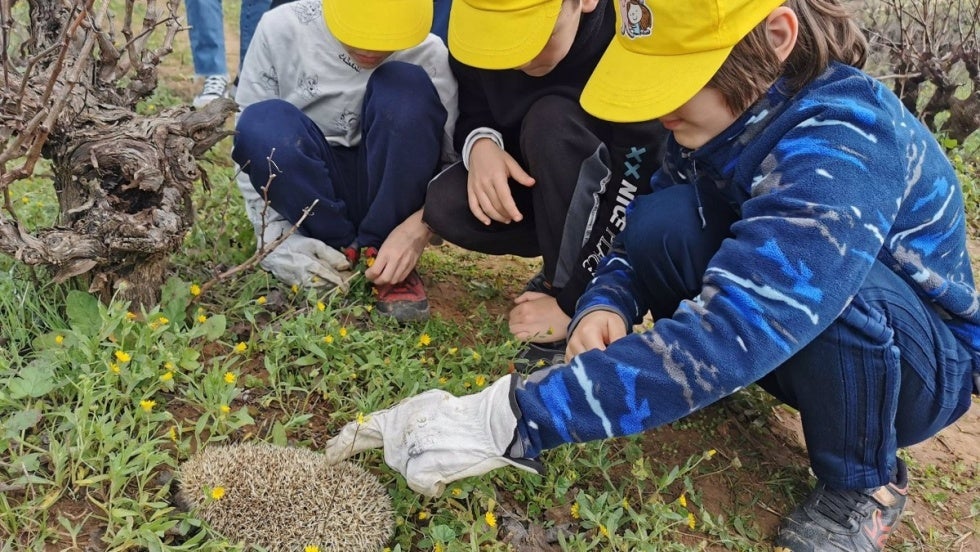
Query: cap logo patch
[637, 19]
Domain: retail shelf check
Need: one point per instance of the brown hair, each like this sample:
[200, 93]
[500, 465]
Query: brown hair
[827, 33]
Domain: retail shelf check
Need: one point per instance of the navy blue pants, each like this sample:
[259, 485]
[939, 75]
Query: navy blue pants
[887, 373]
[362, 192]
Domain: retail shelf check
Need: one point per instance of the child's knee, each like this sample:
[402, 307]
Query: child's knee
[403, 93]
[548, 117]
[255, 120]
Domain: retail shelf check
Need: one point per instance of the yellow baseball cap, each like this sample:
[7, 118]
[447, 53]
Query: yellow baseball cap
[500, 34]
[664, 53]
[379, 25]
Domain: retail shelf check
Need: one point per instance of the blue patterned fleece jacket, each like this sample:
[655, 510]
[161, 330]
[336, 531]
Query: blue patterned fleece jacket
[826, 181]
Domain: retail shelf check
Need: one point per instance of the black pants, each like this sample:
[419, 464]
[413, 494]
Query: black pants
[586, 172]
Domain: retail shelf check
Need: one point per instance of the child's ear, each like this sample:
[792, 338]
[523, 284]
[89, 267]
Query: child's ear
[782, 26]
[588, 6]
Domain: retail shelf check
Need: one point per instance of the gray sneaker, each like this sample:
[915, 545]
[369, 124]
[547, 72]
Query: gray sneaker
[832, 520]
[215, 86]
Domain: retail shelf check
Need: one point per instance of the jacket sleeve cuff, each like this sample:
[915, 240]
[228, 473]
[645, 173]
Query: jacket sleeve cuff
[582, 314]
[476, 134]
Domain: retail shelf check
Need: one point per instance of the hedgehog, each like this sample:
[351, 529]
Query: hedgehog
[285, 499]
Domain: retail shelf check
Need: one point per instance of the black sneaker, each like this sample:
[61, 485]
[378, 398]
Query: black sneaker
[540, 284]
[832, 520]
[539, 355]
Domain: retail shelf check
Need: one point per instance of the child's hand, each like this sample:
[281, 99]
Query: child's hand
[400, 252]
[538, 318]
[595, 331]
[487, 185]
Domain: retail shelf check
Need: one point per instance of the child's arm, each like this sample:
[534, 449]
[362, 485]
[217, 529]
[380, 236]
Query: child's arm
[258, 79]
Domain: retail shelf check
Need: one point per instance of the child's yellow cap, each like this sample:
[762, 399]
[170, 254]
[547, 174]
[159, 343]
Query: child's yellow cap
[664, 52]
[379, 25]
[500, 34]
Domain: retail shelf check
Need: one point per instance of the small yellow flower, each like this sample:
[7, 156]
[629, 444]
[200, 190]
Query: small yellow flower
[225, 409]
[540, 363]
[369, 308]
[261, 300]
[709, 454]
[166, 376]
[481, 381]
[147, 405]
[369, 262]
[218, 493]
[168, 366]
[25, 200]
[328, 339]
[424, 340]
[163, 320]
[195, 290]
[59, 339]
[294, 288]
[443, 380]
[467, 384]
[311, 548]
[241, 347]
[320, 306]
[476, 355]
[343, 332]
[682, 500]
[437, 547]
[172, 433]
[123, 357]
[423, 516]
[457, 492]
[130, 316]
[603, 530]
[490, 519]
[230, 377]
[626, 504]
[201, 318]
[361, 418]
[574, 511]
[453, 350]
[113, 367]
[692, 521]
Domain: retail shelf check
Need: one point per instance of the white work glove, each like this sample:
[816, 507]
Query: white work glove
[435, 438]
[300, 260]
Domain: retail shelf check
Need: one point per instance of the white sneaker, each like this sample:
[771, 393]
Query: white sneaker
[215, 87]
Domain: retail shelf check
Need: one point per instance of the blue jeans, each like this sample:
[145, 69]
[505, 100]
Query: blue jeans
[362, 192]
[887, 373]
[207, 33]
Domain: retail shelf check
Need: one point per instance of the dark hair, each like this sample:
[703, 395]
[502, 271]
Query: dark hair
[827, 32]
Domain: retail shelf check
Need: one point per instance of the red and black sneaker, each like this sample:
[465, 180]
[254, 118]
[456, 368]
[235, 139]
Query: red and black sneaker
[833, 520]
[405, 301]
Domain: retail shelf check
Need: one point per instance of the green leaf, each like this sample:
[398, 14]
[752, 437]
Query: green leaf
[83, 312]
[21, 421]
[443, 533]
[36, 380]
[279, 434]
[214, 327]
[174, 299]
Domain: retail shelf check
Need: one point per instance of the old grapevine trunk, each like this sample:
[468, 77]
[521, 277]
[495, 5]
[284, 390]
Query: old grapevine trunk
[72, 78]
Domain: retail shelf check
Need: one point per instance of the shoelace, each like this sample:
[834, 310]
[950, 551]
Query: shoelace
[214, 85]
[844, 507]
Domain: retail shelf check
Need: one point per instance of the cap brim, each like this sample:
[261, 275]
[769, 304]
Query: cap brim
[628, 87]
[387, 26]
[497, 39]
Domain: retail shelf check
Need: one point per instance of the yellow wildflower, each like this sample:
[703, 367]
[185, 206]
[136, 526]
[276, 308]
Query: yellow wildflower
[113, 367]
[130, 316]
[423, 515]
[424, 340]
[476, 355]
[261, 300]
[167, 376]
[481, 381]
[168, 366]
[682, 500]
[172, 433]
[626, 504]
[218, 493]
[225, 409]
[328, 339]
[294, 288]
[709, 454]
[320, 306]
[147, 405]
[692, 522]
[574, 511]
[59, 339]
[369, 308]
[123, 357]
[603, 530]
[201, 318]
[195, 290]
[361, 418]
[241, 347]
[343, 332]
[369, 262]
[230, 377]
[311, 548]
[457, 492]
[25, 200]
[443, 380]
[490, 519]
[163, 320]
[437, 547]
